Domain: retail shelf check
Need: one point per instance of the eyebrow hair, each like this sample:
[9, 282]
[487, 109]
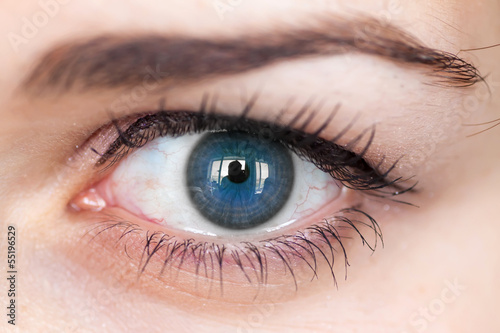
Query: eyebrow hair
[113, 61]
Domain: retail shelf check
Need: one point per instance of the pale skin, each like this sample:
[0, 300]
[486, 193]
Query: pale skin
[438, 269]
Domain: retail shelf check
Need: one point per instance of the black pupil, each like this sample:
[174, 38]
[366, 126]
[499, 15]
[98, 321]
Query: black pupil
[236, 174]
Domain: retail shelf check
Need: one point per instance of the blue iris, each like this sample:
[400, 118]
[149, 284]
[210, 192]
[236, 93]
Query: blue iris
[237, 180]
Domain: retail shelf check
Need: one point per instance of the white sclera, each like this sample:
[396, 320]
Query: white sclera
[151, 184]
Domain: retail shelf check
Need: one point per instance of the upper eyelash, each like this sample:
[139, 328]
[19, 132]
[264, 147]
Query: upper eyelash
[343, 165]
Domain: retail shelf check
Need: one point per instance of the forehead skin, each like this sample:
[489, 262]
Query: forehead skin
[409, 286]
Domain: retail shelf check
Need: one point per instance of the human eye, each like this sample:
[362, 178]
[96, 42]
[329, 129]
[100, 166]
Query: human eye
[217, 197]
[250, 166]
[132, 214]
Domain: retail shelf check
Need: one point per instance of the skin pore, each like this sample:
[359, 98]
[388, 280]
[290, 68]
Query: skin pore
[437, 268]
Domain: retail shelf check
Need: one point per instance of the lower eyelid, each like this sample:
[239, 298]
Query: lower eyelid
[233, 271]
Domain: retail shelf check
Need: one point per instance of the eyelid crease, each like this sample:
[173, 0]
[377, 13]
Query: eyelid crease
[348, 168]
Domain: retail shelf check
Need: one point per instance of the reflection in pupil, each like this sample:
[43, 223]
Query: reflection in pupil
[236, 174]
[237, 180]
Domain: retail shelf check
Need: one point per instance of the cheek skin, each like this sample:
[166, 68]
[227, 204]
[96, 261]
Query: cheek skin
[78, 300]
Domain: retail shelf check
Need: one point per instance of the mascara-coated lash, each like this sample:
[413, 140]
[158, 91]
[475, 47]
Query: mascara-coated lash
[343, 165]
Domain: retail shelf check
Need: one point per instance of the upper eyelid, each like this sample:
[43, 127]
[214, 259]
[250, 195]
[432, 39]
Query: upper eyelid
[153, 118]
[370, 178]
[208, 112]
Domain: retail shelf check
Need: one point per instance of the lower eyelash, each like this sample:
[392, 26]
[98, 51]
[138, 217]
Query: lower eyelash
[322, 242]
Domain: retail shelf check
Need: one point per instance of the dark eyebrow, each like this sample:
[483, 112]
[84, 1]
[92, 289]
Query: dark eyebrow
[113, 61]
